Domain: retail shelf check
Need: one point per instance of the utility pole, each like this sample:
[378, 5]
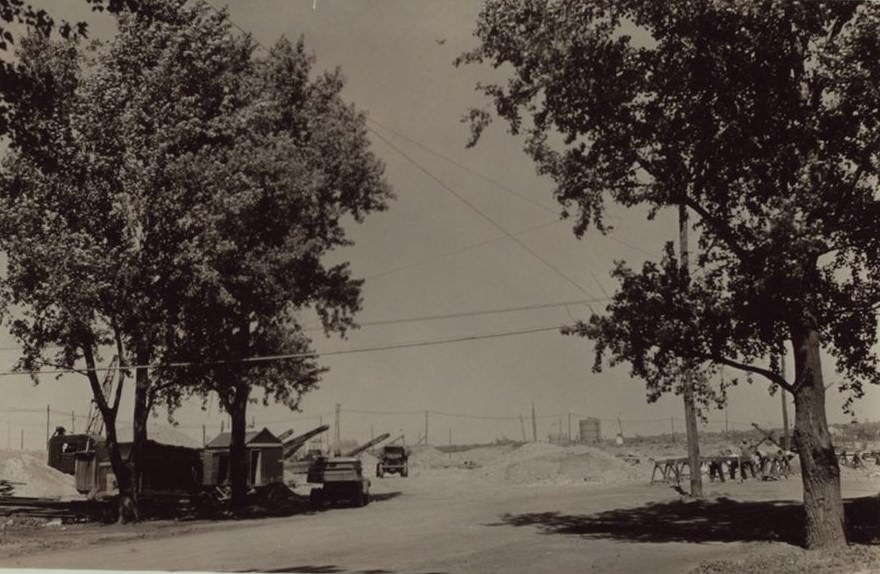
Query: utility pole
[690, 410]
[47, 425]
[426, 428]
[672, 424]
[522, 426]
[222, 422]
[336, 424]
[534, 425]
[726, 430]
[569, 427]
[72, 422]
[204, 436]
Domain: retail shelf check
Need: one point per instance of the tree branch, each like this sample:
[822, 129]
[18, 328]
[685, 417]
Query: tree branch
[721, 229]
[766, 373]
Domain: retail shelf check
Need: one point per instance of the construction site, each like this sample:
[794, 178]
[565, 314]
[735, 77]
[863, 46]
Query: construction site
[592, 490]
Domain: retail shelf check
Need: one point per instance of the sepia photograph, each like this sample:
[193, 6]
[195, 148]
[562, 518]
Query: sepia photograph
[440, 286]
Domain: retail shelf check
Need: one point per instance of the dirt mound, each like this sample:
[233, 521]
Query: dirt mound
[39, 479]
[540, 463]
[531, 464]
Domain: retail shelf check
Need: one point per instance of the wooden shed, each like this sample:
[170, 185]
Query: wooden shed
[264, 455]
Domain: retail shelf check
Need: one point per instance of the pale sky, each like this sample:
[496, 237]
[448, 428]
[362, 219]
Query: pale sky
[431, 254]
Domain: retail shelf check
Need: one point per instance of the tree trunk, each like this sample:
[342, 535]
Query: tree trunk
[127, 509]
[823, 505]
[139, 425]
[238, 460]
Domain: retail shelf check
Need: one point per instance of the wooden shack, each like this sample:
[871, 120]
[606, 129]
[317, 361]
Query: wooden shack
[264, 456]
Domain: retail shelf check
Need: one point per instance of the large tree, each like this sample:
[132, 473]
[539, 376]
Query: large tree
[298, 168]
[175, 196]
[762, 119]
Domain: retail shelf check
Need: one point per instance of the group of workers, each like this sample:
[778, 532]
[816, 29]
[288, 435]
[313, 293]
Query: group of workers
[752, 459]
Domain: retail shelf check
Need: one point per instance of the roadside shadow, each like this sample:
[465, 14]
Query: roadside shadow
[720, 520]
[383, 496]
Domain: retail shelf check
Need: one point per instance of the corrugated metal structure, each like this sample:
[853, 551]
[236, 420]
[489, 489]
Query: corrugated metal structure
[590, 430]
[264, 455]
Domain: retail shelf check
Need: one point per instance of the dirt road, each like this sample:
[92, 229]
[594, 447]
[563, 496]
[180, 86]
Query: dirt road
[443, 524]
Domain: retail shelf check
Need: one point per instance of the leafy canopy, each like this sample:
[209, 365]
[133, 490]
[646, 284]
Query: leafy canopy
[761, 117]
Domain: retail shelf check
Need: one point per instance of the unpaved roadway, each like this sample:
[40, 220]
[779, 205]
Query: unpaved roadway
[433, 524]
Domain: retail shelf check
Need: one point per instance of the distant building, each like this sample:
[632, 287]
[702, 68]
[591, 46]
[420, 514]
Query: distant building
[590, 430]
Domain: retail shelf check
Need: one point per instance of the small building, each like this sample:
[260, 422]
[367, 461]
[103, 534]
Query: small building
[264, 456]
[590, 430]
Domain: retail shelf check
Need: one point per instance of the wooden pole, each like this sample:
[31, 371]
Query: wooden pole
[47, 425]
[534, 425]
[569, 427]
[204, 436]
[522, 426]
[690, 410]
[336, 424]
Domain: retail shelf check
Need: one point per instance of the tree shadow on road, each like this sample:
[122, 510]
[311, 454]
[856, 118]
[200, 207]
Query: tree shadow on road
[720, 520]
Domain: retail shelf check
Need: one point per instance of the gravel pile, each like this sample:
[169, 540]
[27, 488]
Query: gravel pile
[532, 464]
[40, 480]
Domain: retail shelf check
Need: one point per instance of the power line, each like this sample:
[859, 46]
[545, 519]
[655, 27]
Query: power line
[481, 312]
[485, 217]
[465, 167]
[288, 356]
[457, 251]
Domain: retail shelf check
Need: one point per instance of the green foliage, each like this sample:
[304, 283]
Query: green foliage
[761, 117]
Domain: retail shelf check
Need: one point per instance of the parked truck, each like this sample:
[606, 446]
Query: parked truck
[393, 459]
[341, 478]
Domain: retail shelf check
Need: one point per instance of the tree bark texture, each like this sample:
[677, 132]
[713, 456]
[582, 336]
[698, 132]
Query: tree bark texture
[139, 424]
[238, 460]
[823, 505]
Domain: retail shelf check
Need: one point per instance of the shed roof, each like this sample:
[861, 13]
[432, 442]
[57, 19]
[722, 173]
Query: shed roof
[261, 437]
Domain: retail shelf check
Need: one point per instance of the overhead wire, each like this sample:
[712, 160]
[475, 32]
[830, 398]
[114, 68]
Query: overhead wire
[292, 356]
[485, 217]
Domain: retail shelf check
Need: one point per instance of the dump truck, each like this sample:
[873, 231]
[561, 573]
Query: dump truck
[341, 478]
[393, 459]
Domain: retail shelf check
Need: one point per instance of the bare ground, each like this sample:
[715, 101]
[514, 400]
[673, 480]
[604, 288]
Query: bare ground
[447, 520]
